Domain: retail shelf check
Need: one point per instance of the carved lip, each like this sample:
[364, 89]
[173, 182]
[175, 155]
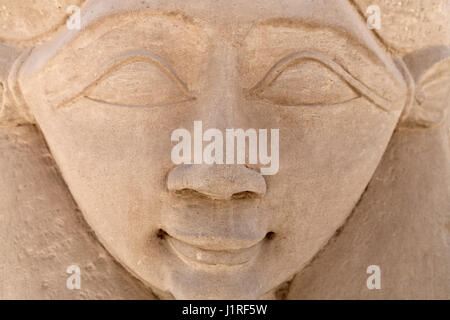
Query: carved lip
[227, 257]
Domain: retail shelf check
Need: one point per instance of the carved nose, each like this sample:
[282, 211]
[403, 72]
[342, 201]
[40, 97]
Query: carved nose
[220, 182]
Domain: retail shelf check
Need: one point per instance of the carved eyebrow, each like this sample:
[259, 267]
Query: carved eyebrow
[294, 58]
[122, 60]
[315, 26]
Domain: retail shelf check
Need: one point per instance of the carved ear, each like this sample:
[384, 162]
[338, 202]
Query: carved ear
[25, 24]
[13, 110]
[429, 70]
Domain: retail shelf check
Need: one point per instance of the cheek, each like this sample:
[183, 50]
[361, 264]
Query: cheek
[114, 161]
[327, 157]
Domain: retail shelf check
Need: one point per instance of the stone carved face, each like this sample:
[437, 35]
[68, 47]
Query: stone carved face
[108, 97]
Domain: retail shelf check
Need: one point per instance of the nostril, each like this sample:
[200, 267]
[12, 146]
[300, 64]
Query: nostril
[244, 195]
[161, 234]
[187, 193]
[270, 235]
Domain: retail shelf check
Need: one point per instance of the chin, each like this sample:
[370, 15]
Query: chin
[222, 283]
[184, 278]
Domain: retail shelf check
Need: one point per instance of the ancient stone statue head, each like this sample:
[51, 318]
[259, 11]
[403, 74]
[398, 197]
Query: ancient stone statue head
[108, 97]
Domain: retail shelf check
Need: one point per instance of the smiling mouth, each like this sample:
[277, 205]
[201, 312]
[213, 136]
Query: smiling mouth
[225, 257]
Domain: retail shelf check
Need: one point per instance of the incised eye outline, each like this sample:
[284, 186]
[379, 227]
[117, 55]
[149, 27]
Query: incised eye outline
[310, 78]
[136, 79]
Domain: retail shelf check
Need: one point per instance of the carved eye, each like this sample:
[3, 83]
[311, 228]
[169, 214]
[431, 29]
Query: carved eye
[137, 80]
[309, 78]
[308, 82]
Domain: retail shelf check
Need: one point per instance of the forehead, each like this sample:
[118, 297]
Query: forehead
[226, 11]
[223, 20]
[234, 17]
[406, 26]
